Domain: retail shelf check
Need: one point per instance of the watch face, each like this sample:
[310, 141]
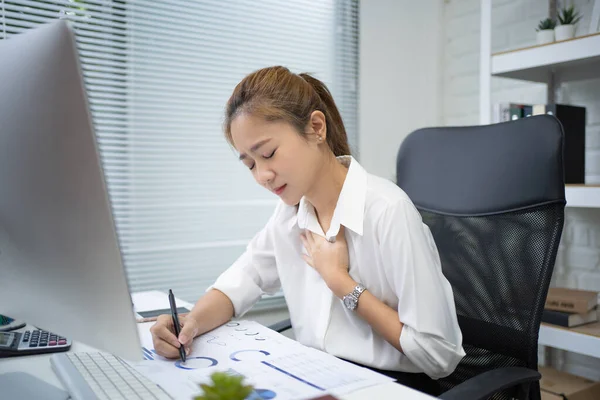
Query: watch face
[349, 302]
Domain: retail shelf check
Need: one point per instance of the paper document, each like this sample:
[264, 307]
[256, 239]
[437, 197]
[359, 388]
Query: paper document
[277, 367]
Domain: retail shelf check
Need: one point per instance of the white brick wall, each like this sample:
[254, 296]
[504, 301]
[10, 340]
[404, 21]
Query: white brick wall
[513, 26]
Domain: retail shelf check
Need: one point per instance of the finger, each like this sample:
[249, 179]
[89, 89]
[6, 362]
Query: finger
[308, 260]
[188, 332]
[310, 237]
[162, 330]
[166, 349]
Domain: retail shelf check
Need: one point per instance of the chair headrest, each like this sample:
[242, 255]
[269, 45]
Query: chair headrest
[484, 169]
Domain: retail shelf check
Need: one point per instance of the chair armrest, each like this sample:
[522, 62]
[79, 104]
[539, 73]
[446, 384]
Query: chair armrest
[281, 325]
[485, 385]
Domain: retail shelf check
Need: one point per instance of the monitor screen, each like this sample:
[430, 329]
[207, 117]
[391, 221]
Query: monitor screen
[60, 261]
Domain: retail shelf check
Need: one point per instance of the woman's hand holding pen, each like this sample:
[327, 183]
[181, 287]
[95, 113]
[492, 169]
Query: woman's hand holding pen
[330, 260]
[165, 342]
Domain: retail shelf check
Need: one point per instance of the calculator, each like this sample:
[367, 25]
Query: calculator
[36, 341]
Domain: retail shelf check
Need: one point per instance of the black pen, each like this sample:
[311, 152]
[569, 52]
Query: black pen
[176, 322]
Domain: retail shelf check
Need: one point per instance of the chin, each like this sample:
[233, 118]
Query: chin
[290, 200]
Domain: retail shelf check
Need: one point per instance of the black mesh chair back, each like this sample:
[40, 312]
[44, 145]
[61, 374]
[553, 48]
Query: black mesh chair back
[493, 197]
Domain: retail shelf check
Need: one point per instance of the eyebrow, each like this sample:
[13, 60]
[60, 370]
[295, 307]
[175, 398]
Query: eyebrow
[254, 148]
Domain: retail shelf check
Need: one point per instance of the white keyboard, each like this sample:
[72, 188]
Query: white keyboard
[103, 376]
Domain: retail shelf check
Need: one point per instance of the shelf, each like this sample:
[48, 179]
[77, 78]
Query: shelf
[583, 196]
[573, 59]
[584, 339]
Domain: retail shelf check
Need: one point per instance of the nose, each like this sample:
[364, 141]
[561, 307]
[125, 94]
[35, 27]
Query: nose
[264, 175]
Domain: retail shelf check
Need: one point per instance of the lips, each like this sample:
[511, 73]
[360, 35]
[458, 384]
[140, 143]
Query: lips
[280, 189]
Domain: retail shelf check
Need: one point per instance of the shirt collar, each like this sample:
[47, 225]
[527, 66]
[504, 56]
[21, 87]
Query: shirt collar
[349, 210]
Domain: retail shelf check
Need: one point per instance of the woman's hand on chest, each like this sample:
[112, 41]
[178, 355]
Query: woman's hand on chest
[330, 260]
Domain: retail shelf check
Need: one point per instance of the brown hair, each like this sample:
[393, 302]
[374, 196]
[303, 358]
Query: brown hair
[275, 93]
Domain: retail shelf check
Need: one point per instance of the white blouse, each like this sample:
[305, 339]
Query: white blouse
[391, 252]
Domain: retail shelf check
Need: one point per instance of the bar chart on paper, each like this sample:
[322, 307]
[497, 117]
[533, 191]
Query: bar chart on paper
[277, 367]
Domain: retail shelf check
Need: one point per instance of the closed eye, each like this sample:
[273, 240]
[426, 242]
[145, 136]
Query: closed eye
[251, 167]
[270, 155]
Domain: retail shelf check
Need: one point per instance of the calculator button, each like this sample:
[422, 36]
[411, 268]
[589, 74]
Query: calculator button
[32, 344]
[52, 343]
[62, 342]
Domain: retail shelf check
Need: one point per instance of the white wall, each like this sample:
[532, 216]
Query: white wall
[513, 26]
[400, 76]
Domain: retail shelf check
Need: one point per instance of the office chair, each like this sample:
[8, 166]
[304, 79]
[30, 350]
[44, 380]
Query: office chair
[493, 197]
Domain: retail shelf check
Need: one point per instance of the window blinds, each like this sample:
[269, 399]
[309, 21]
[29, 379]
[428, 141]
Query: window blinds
[158, 75]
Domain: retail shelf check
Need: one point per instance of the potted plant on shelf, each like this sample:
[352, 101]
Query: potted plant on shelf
[567, 17]
[545, 31]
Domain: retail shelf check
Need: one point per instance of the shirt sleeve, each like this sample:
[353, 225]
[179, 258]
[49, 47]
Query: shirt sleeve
[431, 337]
[254, 273]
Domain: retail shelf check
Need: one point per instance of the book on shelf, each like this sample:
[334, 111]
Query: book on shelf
[569, 320]
[503, 112]
[571, 300]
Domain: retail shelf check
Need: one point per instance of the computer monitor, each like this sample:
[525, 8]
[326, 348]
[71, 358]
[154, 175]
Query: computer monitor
[60, 262]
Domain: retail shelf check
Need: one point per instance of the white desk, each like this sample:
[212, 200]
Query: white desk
[39, 366]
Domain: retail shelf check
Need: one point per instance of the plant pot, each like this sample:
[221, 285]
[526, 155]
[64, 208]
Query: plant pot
[564, 32]
[545, 36]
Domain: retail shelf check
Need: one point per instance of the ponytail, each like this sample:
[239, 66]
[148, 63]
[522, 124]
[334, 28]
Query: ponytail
[337, 138]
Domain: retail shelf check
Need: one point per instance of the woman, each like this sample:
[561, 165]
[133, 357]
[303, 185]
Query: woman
[359, 270]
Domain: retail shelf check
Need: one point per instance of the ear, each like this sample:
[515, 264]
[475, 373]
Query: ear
[318, 126]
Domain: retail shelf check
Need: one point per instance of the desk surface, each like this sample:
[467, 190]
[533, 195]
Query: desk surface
[39, 366]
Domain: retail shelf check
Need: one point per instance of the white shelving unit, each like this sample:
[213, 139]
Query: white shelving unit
[553, 64]
[583, 196]
[582, 340]
[569, 60]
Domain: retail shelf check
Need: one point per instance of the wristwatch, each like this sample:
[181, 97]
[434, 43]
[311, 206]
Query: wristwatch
[351, 299]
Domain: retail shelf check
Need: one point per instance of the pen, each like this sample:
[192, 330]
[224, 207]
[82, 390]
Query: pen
[176, 322]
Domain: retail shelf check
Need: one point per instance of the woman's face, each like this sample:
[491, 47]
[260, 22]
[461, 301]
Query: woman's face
[278, 157]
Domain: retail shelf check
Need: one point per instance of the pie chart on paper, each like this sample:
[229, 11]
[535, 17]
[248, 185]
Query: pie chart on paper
[262, 394]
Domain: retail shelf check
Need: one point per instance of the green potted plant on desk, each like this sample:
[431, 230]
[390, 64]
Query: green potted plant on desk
[567, 17]
[545, 31]
[225, 387]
